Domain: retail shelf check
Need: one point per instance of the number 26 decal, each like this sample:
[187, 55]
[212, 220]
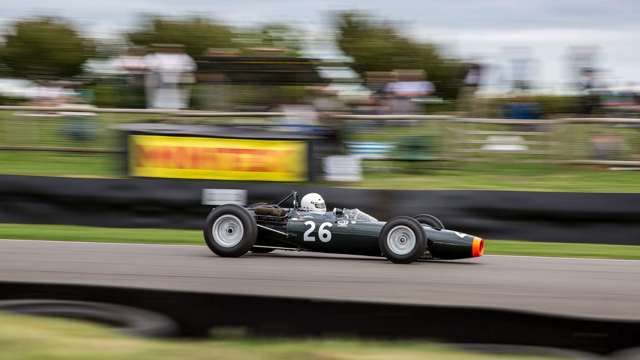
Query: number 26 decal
[323, 232]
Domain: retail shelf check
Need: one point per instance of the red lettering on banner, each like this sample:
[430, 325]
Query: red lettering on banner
[194, 157]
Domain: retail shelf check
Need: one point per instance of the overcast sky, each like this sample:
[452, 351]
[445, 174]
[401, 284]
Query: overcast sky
[484, 29]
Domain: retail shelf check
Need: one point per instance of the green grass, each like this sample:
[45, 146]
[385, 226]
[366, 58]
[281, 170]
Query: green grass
[495, 176]
[383, 175]
[499, 172]
[40, 163]
[16, 130]
[26, 337]
[99, 234]
[530, 248]
[170, 236]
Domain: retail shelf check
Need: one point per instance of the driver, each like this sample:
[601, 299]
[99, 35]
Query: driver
[313, 202]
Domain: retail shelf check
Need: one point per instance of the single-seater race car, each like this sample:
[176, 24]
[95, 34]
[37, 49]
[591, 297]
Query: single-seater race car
[232, 230]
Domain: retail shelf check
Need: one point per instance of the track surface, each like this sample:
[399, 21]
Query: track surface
[581, 287]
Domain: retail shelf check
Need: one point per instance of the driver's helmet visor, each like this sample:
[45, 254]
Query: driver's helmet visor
[319, 205]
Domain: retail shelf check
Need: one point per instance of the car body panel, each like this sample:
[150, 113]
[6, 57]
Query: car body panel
[334, 232]
[348, 237]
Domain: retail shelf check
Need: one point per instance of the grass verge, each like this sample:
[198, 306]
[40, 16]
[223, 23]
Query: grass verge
[378, 175]
[27, 337]
[48, 163]
[580, 250]
[99, 234]
[194, 237]
[499, 176]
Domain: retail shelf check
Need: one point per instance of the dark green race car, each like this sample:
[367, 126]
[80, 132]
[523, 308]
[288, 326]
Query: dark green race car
[233, 230]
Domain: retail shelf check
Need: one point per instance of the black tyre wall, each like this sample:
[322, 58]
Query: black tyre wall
[610, 218]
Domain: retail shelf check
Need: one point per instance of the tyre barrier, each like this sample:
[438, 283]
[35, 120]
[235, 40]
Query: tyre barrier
[127, 319]
[626, 354]
[170, 203]
[199, 314]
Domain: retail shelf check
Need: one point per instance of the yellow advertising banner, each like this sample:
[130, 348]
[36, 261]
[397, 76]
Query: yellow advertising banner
[217, 158]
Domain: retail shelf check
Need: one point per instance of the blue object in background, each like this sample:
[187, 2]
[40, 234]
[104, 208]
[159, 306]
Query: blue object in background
[522, 111]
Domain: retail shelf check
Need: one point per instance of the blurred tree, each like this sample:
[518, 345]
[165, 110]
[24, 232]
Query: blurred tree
[44, 47]
[272, 35]
[197, 34]
[281, 36]
[377, 46]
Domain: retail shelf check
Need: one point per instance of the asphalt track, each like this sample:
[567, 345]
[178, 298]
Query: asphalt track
[579, 287]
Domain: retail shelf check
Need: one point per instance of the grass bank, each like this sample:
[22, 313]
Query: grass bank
[25, 337]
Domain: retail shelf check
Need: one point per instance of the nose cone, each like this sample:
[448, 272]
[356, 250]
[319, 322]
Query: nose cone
[450, 245]
[477, 247]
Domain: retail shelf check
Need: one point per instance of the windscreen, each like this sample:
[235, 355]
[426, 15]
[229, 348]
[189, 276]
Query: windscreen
[357, 215]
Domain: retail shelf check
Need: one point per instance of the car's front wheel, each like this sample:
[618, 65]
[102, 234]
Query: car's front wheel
[230, 230]
[402, 240]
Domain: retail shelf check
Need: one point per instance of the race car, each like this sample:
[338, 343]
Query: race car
[232, 230]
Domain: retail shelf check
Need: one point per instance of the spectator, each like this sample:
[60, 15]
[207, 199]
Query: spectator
[409, 85]
[590, 100]
[379, 101]
[467, 102]
[134, 65]
[326, 102]
[169, 69]
[133, 62]
[298, 113]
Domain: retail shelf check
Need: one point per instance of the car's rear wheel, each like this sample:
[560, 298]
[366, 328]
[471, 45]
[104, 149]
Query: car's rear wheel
[230, 231]
[402, 240]
[430, 220]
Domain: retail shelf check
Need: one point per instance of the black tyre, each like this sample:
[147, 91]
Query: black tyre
[430, 220]
[261, 250]
[402, 240]
[133, 321]
[230, 230]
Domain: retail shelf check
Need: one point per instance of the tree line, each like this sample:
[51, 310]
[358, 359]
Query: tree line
[53, 48]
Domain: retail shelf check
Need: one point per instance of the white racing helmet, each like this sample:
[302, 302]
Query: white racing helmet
[313, 202]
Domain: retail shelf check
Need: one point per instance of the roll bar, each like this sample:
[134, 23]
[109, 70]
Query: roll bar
[293, 195]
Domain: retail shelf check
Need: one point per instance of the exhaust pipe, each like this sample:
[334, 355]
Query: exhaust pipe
[449, 245]
[477, 247]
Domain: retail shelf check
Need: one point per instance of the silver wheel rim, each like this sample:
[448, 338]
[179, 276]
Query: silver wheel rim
[227, 231]
[401, 240]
